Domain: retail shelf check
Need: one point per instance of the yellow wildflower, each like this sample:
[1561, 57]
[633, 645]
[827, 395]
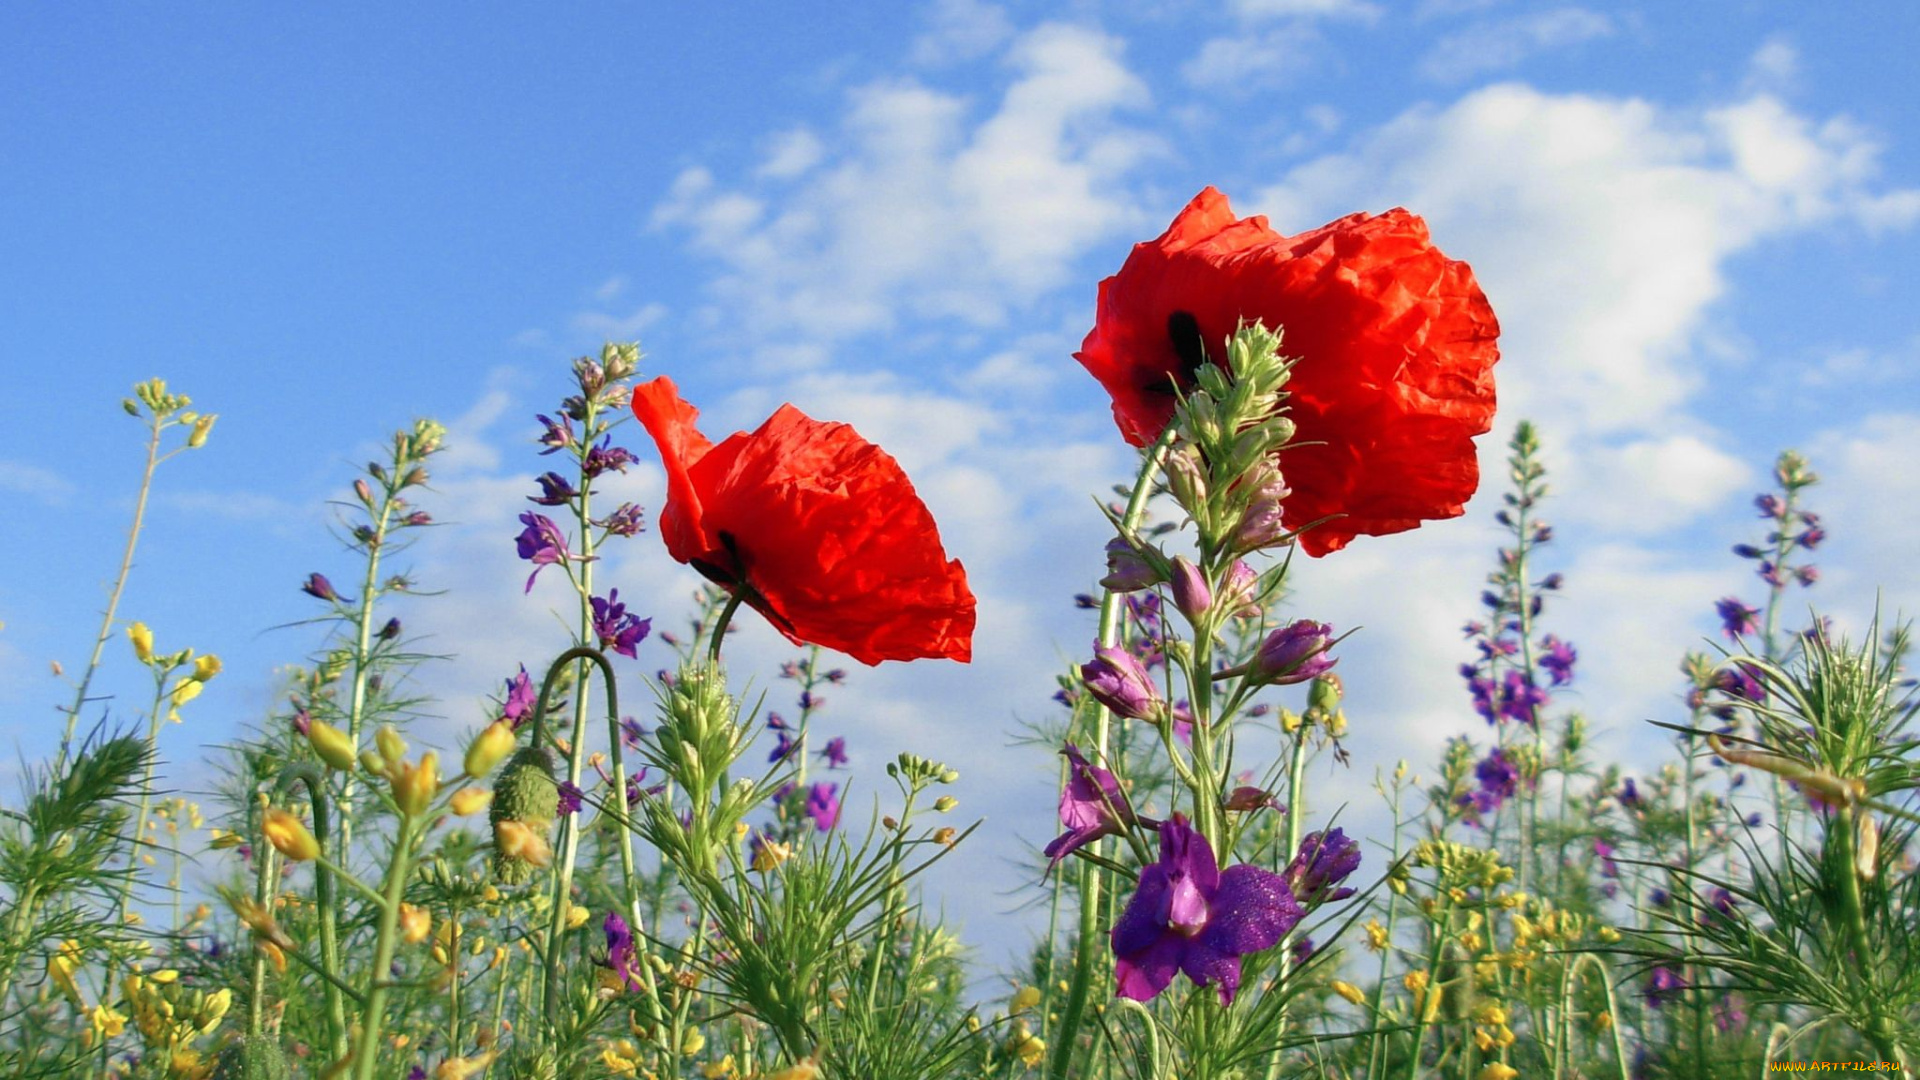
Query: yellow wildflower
[489, 748]
[1025, 998]
[719, 1070]
[1497, 1071]
[108, 1022]
[470, 800]
[206, 667]
[516, 839]
[142, 639]
[415, 786]
[1349, 991]
[60, 968]
[461, 1068]
[415, 924]
[577, 917]
[768, 854]
[332, 745]
[693, 1042]
[1376, 935]
[289, 835]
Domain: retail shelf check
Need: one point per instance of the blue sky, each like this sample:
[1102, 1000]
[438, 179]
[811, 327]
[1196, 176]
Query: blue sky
[1695, 221]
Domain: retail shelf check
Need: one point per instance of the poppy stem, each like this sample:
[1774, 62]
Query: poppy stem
[720, 624]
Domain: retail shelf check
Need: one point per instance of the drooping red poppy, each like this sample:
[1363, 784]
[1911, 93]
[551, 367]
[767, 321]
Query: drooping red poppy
[1396, 346]
[818, 525]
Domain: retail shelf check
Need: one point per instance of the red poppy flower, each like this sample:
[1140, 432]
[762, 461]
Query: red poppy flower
[1395, 342]
[819, 526]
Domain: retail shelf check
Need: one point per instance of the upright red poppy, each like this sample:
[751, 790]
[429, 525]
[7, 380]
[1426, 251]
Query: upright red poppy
[819, 526]
[1395, 342]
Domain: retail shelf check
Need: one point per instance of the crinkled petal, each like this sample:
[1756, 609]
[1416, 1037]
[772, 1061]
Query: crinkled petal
[1252, 910]
[1396, 346]
[822, 526]
[1142, 975]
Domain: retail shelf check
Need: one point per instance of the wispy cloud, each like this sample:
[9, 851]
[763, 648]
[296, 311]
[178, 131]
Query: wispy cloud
[1500, 44]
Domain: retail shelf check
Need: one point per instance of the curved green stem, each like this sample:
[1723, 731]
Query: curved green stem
[569, 831]
[324, 900]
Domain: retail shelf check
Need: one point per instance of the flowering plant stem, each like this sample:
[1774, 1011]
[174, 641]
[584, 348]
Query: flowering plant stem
[1085, 951]
[380, 972]
[363, 641]
[157, 422]
[323, 898]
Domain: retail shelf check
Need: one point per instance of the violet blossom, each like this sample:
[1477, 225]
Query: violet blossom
[1119, 681]
[1187, 915]
[1737, 620]
[618, 630]
[823, 806]
[1323, 862]
[836, 753]
[621, 958]
[1093, 805]
[540, 543]
[520, 700]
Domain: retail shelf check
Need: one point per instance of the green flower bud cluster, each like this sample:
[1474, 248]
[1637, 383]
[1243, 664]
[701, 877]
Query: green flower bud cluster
[700, 736]
[919, 772]
[1461, 866]
[525, 792]
[1231, 426]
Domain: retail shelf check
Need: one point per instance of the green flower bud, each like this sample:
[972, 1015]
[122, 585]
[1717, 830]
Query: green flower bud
[526, 793]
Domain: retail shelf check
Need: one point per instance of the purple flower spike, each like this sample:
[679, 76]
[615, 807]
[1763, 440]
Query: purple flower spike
[1238, 592]
[540, 543]
[1119, 681]
[557, 436]
[836, 753]
[1737, 619]
[1092, 806]
[318, 587]
[1521, 700]
[823, 806]
[1323, 862]
[617, 630]
[1295, 653]
[1188, 916]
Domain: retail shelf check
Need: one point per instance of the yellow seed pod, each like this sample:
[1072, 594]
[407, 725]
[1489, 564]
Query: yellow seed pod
[142, 639]
[289, 835]
[331, 745]
[1349, 991]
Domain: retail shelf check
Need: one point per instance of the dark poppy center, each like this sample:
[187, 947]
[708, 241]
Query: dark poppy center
[1189, 350]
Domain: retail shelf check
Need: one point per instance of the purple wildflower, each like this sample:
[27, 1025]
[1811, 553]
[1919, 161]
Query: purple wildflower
[1092, 806]
[1127, 571]
[621, 958]
[1239, 593]
[318, 587]
[518, 707]
[1728, 1013]
[1188, 916]
[1813, 536]
[1303, 950]
[540, 543]
[616, 629]
[1558, 659]
[1769, 505]
[557, 436]
[1190, 592]
[554, 491]
[302, 722]
[836, 753]
[1295, 653]
[823, 806]
[1662, 987]
[1737, 619]
[1629, 794]
[626, 520]
[1499, 780]
[1323, 862]
[783, 747]
[1603, 851]
[631, 732]
[570, 795]
[1117, 680]
[1520, 699]
[1807, 575]
[606, 457]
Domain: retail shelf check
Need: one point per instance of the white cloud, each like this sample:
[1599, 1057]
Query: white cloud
[1253, 59]
[1867, 497]
[1599, 227]
[1497, 45]
[927, 212]
[960, 30]
[792, 153]
[1651, 486]
[1308, 9]
[1774, 67]
[33, 482]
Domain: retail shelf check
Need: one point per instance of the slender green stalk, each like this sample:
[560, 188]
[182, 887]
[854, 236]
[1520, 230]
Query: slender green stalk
[156, 424]
[324, 903]
[1085, 951]
[146, 797]
[366, 1051]
[363, 651]
[1296, 809]
[581, 655]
